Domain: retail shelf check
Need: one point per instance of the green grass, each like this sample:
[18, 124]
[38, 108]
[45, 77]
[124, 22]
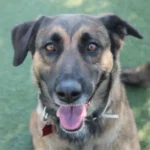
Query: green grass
[18, 94]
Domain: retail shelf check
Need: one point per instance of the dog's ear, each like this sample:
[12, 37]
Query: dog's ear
[118, 29]
[23, 39]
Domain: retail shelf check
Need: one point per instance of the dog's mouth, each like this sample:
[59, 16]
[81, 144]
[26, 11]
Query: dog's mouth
[72, 116]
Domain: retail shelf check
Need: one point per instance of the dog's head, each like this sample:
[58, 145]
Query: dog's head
[73, 57]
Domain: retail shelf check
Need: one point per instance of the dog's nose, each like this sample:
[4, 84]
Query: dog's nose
[68, 91]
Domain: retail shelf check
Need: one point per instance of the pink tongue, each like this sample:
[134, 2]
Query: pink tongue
[71, 117]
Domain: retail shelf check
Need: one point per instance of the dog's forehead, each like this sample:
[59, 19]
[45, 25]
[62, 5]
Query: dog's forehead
[74, 21]
[71, 24]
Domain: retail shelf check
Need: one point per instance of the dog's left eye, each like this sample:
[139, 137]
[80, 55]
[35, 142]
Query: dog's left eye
[92, 47]
[50, 47]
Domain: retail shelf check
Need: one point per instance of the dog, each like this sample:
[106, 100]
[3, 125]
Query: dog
[82, 103]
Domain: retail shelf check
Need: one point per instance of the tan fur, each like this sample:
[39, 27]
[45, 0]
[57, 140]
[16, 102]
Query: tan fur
[37, 66]
[106, 61]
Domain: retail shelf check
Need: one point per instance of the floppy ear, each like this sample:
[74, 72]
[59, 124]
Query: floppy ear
[23, 40]
[118, 29]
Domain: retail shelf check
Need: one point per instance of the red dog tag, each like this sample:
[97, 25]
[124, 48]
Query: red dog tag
[47, 130]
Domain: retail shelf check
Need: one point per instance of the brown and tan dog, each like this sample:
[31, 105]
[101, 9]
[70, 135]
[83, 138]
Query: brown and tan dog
[82, 103]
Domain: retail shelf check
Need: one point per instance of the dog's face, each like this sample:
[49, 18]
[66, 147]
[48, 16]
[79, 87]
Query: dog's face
[73, 57]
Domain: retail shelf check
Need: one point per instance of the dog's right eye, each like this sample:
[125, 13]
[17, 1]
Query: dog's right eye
[50, 47]
[92, 47]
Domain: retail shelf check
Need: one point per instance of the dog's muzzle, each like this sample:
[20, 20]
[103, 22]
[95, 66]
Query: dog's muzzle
[72, 116]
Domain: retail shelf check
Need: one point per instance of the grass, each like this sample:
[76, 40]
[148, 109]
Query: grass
[17, 93]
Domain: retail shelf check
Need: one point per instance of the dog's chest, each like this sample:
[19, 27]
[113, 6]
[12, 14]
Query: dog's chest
[54, 143]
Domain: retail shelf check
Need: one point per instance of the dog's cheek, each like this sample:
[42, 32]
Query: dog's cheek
[106, 61]
[38, 66]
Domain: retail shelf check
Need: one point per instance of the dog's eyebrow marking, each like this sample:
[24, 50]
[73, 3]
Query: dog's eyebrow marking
[61, 32]
[83, 33]
[55, 32]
